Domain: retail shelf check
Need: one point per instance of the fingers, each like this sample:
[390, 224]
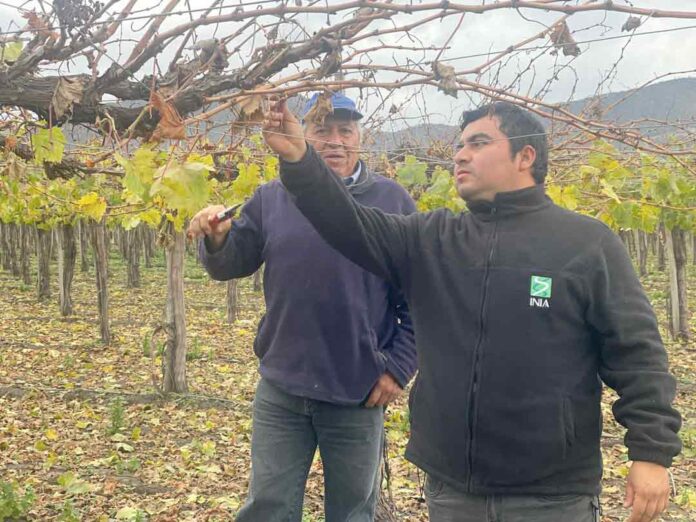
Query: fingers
[375, 397]
[647, 506]
[273, 120]
[639, 507]
[630, 495]
[201, 225]
[385, 391]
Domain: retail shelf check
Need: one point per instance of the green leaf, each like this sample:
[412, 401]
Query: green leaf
[48, 145]
[270, 168]
[441, 183]
[11, 51]
[126, 448]
[608, 190]
[72, 484]
[140, 172]
[412, 172]
[248, 180]
[622, 214]
[570, 198]
[130, 514]
[184, 188]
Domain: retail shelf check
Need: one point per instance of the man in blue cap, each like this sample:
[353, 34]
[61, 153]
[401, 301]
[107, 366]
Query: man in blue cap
[336, 344]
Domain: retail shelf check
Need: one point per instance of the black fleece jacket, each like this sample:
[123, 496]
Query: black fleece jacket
[521, 309]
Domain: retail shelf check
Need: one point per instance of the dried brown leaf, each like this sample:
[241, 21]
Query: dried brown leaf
[321, 109]
[171, 125]
[330, 64]
[446, 76]
[10, 142]
[251, 107]
[631, 24]
[68, 92]
[39, 24]
[563, 39]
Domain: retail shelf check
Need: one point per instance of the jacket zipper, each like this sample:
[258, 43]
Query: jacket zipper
[474, 383]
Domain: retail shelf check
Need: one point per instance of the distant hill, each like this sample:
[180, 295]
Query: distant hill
[673, 101]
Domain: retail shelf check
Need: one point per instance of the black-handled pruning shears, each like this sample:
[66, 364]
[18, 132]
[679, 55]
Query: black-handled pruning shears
[224, 215]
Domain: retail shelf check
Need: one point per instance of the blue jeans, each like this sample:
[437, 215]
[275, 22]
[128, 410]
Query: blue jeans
[446, 504]
[285, 434]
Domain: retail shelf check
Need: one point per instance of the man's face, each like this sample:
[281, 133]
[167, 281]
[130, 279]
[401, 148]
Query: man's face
[337, 141]
[483, 165]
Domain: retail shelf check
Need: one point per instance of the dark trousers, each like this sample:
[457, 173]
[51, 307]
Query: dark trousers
[286, 432]
[446, 504]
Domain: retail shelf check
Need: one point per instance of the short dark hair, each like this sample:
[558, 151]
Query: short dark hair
[521, 128]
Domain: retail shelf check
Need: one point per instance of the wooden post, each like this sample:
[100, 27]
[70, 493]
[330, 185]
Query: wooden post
[13, 238]
[101, 260]
[66, 267]
[5, 246]
[175, 362]
[43, 262]
[133, 243]
[25, 253]
[83, 233]
[661, 247]
[675, 249]
[642, 247]
[232, 300]
[148, 247]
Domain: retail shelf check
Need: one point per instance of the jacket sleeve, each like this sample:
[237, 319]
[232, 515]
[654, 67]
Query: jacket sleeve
[371, 238]
[241, 253]
[633, 358]
[401, 351]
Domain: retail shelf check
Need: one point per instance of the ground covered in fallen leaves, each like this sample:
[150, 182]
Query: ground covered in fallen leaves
[81, 428]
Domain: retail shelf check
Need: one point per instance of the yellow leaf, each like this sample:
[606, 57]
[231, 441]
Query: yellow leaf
[51, 434]
[92, 205]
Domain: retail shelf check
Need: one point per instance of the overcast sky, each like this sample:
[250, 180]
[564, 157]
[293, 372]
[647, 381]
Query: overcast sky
[645, 58]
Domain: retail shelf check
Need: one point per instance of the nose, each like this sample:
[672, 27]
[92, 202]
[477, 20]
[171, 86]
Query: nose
[462, 156]
[334, 139]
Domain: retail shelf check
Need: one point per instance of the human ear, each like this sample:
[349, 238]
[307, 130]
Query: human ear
[526, 157]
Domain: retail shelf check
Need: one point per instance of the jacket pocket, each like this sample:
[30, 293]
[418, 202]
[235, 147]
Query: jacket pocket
[260, 341]
[569, 425]
[380, 358]
[433, 487]
[519, 441]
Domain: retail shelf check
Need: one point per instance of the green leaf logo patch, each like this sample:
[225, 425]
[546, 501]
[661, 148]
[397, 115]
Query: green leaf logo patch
[540, 287]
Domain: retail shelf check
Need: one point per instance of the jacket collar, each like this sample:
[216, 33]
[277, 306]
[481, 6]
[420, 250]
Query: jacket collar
[364, 181]
[511, 203]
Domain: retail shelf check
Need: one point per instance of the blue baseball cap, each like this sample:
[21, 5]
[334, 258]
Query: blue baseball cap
[343, 107]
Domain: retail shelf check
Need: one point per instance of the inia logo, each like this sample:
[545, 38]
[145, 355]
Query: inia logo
[540, 291]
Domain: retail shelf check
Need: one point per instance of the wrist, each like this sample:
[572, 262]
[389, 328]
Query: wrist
[213, 243]
[296, 155]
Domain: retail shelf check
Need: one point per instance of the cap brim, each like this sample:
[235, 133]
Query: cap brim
[343, 114]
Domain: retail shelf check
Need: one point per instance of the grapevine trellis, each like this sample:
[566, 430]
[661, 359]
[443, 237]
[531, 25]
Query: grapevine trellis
[156, 152]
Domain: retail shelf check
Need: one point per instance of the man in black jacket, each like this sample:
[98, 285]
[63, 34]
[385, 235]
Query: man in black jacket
[521, 309]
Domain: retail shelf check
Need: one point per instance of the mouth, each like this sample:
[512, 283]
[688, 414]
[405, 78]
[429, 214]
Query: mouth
[333, 156]
[462, 174]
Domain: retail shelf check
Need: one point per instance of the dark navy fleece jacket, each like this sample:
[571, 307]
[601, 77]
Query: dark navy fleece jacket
[331, 329]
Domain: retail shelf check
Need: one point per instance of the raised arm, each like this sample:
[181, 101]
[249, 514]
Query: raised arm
[375, 240]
